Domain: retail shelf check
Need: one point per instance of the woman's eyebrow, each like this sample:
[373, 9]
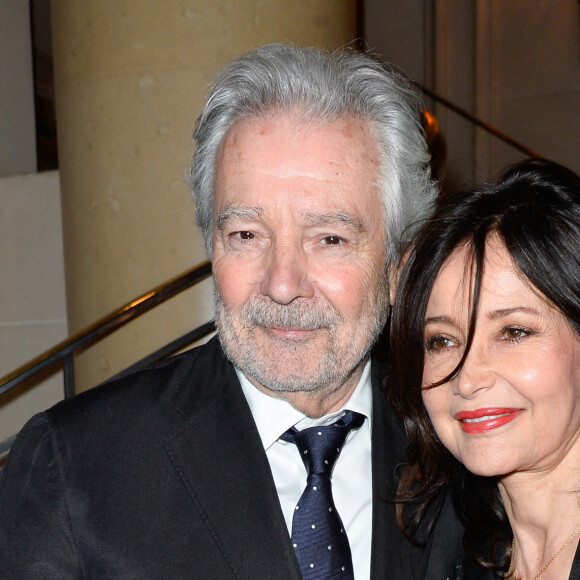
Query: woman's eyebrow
[502, 312]
[442, 319]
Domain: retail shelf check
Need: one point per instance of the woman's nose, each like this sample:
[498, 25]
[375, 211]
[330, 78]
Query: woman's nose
[476, 374]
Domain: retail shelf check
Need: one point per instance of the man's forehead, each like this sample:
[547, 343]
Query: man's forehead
[276, 147]
[299, 122]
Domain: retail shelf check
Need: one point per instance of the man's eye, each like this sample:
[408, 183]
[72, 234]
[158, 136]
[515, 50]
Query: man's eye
[332, 240]
[243, 235]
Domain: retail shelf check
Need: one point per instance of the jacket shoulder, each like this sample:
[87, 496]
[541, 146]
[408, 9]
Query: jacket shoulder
[198, 369]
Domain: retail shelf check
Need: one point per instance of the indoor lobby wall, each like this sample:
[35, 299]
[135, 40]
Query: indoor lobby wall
[32, 293]
[515, 64]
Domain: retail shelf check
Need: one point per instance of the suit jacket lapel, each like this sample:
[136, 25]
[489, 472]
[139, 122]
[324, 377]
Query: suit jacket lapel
[220, 459]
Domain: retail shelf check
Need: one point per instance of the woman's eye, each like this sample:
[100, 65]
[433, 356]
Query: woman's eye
[515, 333]
[438, 343]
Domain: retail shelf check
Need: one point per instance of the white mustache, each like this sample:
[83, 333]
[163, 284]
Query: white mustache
[295, 316]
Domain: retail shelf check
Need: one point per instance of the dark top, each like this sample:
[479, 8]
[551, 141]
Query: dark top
[469, 570]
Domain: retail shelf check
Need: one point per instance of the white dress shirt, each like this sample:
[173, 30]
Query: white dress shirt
[352, 474]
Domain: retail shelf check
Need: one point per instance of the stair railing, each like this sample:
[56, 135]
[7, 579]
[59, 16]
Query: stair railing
[62, 355]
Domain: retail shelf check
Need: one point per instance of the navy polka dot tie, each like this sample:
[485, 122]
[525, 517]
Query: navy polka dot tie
[318, 536]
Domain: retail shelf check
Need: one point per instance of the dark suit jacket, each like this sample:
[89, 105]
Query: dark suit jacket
[162, 475]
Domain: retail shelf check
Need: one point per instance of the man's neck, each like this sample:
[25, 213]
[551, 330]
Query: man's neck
[317, 403]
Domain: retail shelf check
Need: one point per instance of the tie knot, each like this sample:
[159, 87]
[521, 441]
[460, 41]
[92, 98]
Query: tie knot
[320, 447]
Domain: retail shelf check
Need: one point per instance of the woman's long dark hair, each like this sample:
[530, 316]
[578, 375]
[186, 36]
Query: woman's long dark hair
[534, 209]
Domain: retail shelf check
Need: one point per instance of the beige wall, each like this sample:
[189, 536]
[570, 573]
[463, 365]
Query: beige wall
[528, 78]
[514, 63]
[402, 34]
[17, 138]
[32, 295]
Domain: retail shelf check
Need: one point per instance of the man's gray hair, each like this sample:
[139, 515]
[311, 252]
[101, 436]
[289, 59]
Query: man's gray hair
[321, 88]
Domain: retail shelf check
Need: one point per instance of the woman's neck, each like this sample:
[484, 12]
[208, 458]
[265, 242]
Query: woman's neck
[544, 511]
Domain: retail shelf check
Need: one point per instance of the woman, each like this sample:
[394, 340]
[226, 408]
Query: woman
[486, 346]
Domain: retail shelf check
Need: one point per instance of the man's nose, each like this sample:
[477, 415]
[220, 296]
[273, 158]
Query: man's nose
[287, 275]
[476, 374]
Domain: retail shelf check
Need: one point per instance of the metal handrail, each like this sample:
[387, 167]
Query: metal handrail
[64, 351]
[478, 122]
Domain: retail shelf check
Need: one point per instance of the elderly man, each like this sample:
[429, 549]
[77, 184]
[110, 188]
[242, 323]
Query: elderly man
[268, 453]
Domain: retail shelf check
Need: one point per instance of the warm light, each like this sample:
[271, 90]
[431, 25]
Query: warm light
[430, 125]
[139, 300]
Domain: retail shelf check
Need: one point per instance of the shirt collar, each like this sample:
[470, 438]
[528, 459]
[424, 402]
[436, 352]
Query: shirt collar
[275, 416]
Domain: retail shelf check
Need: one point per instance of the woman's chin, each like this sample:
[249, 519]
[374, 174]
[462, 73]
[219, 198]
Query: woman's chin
[486, 468]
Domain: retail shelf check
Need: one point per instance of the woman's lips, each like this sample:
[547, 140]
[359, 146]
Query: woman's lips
[486, 419]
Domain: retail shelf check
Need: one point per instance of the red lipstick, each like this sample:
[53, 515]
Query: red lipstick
[486, 419]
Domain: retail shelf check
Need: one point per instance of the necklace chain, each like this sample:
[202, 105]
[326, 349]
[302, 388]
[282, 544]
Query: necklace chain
[570, 538]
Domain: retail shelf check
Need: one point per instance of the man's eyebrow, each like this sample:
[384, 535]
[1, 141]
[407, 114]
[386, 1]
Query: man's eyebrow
[316, 219]
[234, 212]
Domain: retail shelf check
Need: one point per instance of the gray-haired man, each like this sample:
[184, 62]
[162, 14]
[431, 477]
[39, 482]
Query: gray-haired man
[309, 168]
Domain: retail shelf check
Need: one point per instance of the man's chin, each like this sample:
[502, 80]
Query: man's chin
[283, 381]
[290, 372]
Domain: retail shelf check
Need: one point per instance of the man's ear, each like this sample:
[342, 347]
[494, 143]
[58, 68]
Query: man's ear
[394, 276]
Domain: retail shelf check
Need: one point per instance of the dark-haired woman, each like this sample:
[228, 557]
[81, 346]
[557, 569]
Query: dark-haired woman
[488, 313]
